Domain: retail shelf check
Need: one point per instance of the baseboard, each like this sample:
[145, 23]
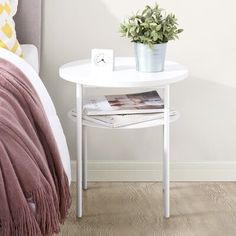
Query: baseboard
[152, 171]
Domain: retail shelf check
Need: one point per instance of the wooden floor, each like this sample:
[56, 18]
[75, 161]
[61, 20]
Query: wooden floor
[135, 209]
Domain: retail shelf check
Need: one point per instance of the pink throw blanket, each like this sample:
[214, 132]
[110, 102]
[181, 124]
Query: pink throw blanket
[34, 189]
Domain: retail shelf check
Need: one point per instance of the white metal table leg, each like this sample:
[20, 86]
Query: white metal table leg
[79, 100]
[166, 154]
[85, 169]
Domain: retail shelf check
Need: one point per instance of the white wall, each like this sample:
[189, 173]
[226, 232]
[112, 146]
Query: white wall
[207, 100]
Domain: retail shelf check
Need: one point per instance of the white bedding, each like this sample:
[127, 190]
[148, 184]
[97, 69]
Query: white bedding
[31, 55]
[47, 104]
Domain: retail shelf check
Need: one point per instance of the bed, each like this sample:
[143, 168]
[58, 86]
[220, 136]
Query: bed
[28, 29]
[35, 168]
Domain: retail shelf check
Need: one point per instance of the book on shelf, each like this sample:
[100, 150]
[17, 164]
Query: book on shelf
[147, 102]
[116, 121]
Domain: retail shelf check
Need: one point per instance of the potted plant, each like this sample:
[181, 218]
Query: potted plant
[150, 31]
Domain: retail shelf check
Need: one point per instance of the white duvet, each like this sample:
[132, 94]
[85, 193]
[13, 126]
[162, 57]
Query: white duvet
[47, 104]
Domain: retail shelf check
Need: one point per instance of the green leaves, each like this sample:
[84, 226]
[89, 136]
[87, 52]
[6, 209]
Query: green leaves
[151, 27]
[158, 27]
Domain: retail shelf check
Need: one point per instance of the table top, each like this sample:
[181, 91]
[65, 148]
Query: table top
[123, 76]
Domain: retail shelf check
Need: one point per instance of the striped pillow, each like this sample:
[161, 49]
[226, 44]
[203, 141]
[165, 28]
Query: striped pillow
[8, 38]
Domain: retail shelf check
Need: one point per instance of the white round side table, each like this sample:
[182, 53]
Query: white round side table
[124, 76]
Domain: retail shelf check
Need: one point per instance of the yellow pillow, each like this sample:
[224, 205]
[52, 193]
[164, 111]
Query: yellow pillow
[8, 38]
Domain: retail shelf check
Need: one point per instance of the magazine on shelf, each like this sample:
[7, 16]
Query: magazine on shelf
[147, 102]
[116, 121]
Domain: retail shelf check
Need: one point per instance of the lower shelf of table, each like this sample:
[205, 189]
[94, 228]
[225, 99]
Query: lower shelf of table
[140, 125]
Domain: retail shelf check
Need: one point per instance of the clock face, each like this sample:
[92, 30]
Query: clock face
[100, 59]
[103, 59]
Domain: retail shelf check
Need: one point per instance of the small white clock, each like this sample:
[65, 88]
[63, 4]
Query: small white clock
[103, 59]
